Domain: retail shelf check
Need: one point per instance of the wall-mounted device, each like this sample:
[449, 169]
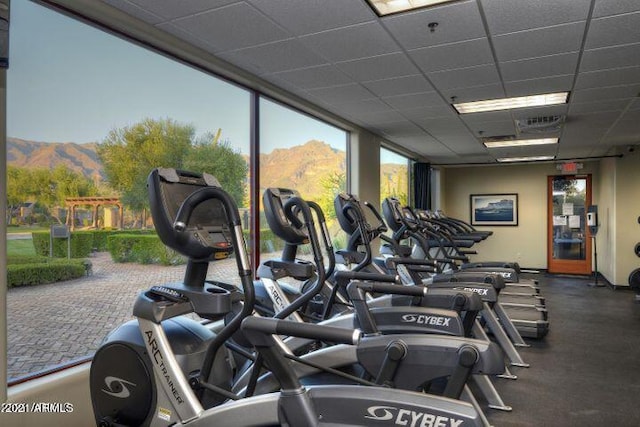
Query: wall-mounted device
[592, 219]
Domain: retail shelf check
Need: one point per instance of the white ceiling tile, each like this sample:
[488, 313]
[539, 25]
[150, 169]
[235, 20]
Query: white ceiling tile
[315, 77]
[605, 93]
[451, 56]
[404, 127]
[399, 86]
[423, 113]
[467, 77]
[342, 94]
[176, 9]
[373, 118]
[632, 115]
[368, 105]
[573, 152]
[220, 27]
[456, 22]
[135, 11]
[591, 122]
[493, 128]
[274, 57]
[474, 119]
[357, 41]
[610, 57]
[506, 16]
[546, 66]
[614, 30]
[541, 85]
[551, 110]
[625, 132]
[615, 77]
[306, 17]
[614, 7]
[379, 67]
[417, 100]
[597, 107]
[539, 42]
[186, 36]
[477, 93]
[443, 125]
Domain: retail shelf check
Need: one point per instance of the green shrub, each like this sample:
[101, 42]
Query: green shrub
[81, 244]
[100, 236]
[141, 248]
[27, 271]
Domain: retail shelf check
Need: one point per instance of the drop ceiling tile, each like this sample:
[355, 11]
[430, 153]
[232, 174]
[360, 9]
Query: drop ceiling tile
[539, 42]
[545, 66]
[489, 116]
[493, 128]
[614, 30]
[477, 93]
[220, 27]
[274, 57]
[614, 7]
[632, 115]
[342, 94]
[597, 107]
[315, 77]
[442, 125]
[466, 77]
[605, 93]
[610, 57]
[374, 118]
[397, 128]
[368, 105]
[423, 113]
[399, 86]
[506, 16]
[636, 105]
[357, 41]
[379, 67]
[542, 85]
[615, 77]
[550, 110]
[572, 152]
[582, 121]
[186, 36]
[174, 9]
[455, 55]
[306, 17]
[417, 100]
[135, 11]
[428, 147]
[456, 22]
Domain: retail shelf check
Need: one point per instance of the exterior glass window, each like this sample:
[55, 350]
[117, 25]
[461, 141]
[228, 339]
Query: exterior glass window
[89, 116]
[394, 176]
[301, 153]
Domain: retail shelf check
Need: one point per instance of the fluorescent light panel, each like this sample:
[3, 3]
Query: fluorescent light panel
[510, 103]
[387, 7]
[520, 142]
[524, 159]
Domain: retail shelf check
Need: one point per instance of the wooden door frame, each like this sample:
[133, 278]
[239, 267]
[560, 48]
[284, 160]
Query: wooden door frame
[568, 266]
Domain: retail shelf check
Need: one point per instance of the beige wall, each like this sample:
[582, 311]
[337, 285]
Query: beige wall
[627, 229]
[526, 243]
[606, 237]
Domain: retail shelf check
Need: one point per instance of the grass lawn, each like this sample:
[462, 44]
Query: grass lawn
[22, 247]
[25, 229]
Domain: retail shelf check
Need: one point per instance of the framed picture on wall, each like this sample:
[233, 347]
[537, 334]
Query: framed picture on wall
[494, 209]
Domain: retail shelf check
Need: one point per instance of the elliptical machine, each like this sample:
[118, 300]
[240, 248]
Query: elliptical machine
[138, 378]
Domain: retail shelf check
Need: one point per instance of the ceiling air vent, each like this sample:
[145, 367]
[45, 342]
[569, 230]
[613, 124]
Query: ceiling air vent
[542, 124]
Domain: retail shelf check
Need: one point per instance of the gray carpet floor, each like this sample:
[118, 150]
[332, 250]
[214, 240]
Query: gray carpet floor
[586, 371]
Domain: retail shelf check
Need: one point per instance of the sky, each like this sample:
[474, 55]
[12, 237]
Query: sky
[69, 82]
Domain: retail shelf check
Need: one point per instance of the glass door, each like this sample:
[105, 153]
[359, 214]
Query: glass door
[568, 241]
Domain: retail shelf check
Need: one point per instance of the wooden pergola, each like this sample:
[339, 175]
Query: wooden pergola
[95, 202]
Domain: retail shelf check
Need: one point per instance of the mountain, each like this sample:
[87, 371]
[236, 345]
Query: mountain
[80, 158]
[302, 167]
